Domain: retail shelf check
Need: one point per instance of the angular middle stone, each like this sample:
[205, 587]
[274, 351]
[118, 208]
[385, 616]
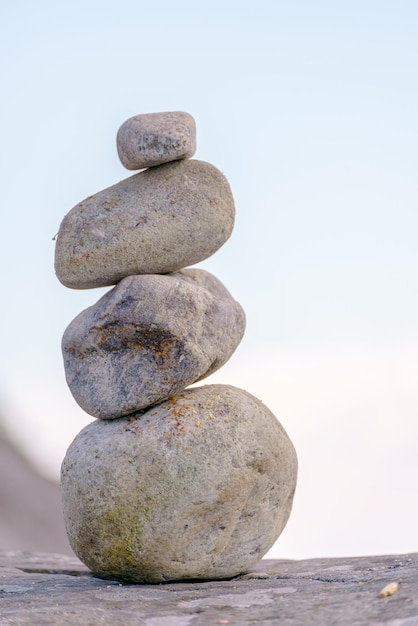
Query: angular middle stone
[149, 338]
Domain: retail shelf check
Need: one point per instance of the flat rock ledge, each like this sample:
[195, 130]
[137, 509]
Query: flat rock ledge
[37, 588]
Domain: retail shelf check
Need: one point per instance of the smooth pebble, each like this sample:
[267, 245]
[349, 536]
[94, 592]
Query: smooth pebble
[151, 139]
[155, 222]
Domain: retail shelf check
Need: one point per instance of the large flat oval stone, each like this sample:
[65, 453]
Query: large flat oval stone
[154, 138]
[149, 338]
[199, 487]
[158, 221]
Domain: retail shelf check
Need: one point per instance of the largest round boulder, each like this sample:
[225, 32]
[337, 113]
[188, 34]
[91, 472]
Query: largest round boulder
[155, 222]
[198, 487]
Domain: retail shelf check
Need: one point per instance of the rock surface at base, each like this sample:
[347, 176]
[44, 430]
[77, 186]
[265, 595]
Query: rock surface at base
[53, 589]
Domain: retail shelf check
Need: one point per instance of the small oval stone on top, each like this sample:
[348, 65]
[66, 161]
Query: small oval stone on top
[155, 138]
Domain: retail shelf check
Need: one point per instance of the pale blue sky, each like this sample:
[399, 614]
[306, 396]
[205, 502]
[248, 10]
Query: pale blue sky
[310, 110]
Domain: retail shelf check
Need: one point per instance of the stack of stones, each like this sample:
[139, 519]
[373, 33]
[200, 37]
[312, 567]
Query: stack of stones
[169, 483]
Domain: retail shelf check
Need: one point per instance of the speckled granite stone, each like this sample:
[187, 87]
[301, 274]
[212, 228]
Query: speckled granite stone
[198, 487]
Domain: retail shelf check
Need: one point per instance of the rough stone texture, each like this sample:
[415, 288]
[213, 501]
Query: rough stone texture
[198, 487]
[158, 221]
[155, 138]
[149, 338]
[50, 589]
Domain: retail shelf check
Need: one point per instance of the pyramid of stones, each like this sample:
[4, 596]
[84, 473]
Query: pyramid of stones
[170, 482]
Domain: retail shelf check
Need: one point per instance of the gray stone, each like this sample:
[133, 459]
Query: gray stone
[50, 589]
[158, 221]
[198, 487]
[155, 138]
[149, 338]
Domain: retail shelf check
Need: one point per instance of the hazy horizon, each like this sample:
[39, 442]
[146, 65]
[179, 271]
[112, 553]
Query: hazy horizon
[310, 112]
